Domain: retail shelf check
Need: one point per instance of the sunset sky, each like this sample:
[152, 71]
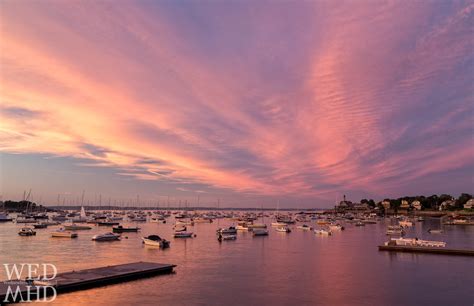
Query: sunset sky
[246, 102]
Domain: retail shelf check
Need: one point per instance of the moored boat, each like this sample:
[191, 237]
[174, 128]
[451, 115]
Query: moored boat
[183, 235]
[260, 232]
[106, 237]
[305, 227]
[283, 229]
[26, 231]
[40, 225]
[229, 230]
[322, 232]
[61, 233]
[121, 229]
[155, 240]
[76, 227]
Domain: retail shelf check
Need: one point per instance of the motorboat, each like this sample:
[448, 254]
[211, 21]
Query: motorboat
[76, 227]
[108, 223]
[40, 225]
[360, 223]
[138, 219]
[106, 237]
[257, 225]
[435, 231]
[222, 237]
[5, 218]
[27, 231]
[61, 233]
[121, 229]
[322, 232]
[242, 227]
[155, 240]
[336, 227]
[184, 222]
[202, 220]
[283, 229]
[278, 224]
[229, 230]
[415, 242]
[157, 220]
[183, 235]
[260, 232]
[305, 227]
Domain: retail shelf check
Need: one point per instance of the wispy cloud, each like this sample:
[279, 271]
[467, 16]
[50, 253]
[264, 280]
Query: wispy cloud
[356, 97]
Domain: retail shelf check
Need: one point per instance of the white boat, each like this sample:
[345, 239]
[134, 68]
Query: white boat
[61, 233]
[283, 229]
[106, 237]
[27, 231]
[278, 224]
[202, 220]
[184, 222]
[415, 242]
[305, 227]
[75, 227]
[257, 225]
[229, 230]
[260, 232]
[435, 231]
[395, 232]
[222, 237]
[322, 232]
[183, 235]
[157, 220]
[241, 228]
[155, 240]
[336, 227]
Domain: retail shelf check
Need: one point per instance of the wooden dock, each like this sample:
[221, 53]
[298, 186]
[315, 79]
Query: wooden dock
[441, 251]
[89, 278]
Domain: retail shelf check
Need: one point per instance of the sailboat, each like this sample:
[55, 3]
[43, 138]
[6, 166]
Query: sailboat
[82, 218]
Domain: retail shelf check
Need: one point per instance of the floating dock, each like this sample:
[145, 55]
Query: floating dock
[84, 279]
[412, 249]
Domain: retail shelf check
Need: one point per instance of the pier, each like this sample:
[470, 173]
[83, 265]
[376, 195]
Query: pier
[85, 279]
[412, 249]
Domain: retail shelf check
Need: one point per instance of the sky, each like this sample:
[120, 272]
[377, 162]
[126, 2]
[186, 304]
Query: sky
[235, 103]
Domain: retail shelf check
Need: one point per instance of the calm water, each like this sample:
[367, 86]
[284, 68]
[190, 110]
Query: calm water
[299, 268]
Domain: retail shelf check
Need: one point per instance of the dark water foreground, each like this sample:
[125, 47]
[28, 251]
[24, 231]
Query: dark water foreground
[299, 268]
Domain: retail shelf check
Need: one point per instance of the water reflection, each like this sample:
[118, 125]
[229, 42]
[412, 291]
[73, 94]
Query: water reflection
[283, 269]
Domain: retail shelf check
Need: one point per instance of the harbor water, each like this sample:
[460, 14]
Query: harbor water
[297, 268]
